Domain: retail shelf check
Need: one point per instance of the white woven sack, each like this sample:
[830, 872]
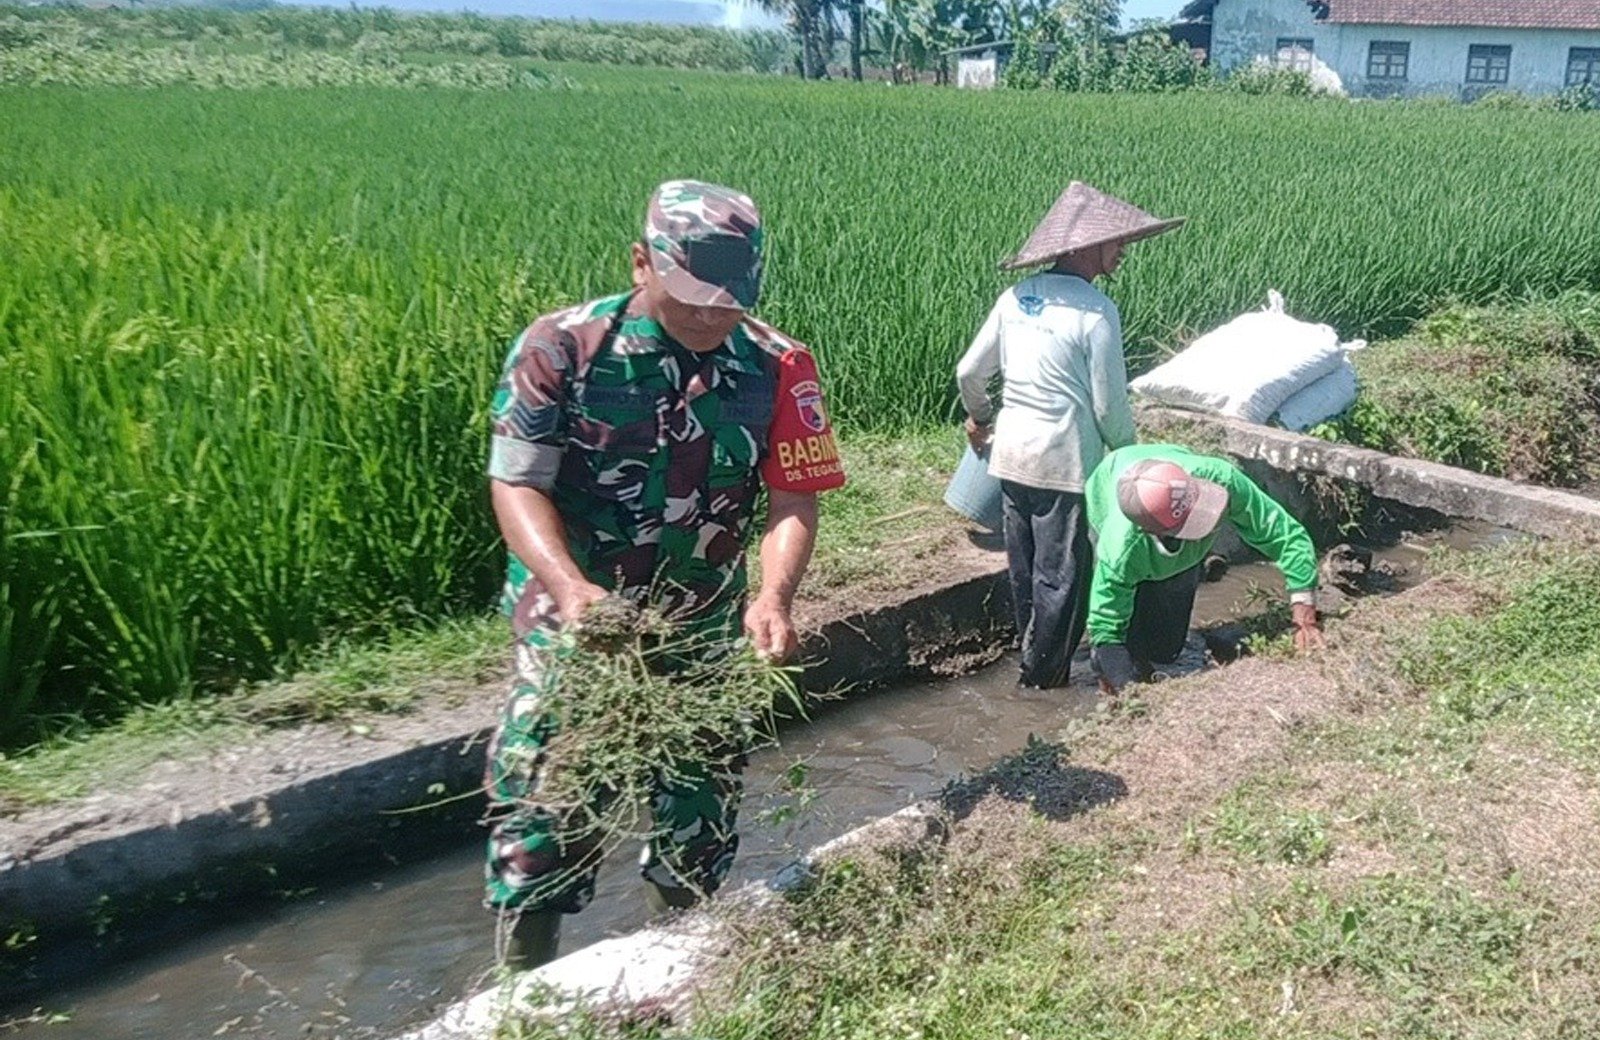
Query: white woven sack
[1321, 400]
[1248, 367]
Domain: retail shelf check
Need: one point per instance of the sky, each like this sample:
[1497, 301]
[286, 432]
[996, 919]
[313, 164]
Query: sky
[697, 12]
[1133, 10]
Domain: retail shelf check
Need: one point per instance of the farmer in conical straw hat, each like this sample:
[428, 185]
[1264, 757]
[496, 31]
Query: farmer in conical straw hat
[1056, 342]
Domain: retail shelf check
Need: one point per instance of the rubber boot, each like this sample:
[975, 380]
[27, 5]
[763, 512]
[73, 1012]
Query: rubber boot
[662, 899]
[533, 940]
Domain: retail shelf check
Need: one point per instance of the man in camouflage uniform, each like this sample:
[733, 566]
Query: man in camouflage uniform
[632, 438]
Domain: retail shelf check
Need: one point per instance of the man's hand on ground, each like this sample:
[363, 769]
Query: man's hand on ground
[1307, 629]
[771, 629]
[1114, 664]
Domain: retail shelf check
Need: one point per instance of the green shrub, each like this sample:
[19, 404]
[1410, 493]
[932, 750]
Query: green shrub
[1513, 101]
[1507, 391]
[1261, 78]
[1022, 71]
[1150, 62]
[1580, 97]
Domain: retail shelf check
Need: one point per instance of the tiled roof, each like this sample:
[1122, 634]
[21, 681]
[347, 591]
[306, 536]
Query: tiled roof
[1497, 14]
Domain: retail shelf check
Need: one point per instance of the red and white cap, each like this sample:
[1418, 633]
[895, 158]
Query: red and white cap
[1162, 498]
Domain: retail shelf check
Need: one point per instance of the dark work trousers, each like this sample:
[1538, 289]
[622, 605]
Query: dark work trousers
[1161, 611]
[1047, 547]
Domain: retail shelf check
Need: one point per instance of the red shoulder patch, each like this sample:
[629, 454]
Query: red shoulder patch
[802, 454]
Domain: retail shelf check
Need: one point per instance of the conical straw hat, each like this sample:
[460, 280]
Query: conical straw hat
[1084, 217]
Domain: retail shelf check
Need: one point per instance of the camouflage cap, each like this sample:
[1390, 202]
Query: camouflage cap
[705, 244]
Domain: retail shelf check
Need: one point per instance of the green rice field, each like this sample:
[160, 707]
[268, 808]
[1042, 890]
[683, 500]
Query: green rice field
[248, 337]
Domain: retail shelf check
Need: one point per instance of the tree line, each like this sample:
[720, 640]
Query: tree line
[912, 38]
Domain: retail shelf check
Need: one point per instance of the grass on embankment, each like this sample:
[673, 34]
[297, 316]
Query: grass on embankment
[1511, 390]
[1393, 839]
[881, 532]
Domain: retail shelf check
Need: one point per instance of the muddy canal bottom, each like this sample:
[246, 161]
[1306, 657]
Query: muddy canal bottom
[368, 959]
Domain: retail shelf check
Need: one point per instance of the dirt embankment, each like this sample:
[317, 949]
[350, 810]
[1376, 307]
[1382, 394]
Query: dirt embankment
[1284, 847]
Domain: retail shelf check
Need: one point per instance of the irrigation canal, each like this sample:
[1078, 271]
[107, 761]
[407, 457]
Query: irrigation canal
[370, 957]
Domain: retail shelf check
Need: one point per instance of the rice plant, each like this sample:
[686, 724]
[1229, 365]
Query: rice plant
[248, 338]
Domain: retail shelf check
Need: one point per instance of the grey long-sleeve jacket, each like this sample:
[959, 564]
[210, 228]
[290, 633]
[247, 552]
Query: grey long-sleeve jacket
[1056, 342]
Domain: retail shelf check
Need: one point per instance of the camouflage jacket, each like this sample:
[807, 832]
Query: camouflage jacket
[654, 455]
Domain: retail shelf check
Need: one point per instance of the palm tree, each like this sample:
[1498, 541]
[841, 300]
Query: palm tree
[812, 22]
[858, 15]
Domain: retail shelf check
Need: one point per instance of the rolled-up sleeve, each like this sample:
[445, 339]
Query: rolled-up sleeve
[528, 431]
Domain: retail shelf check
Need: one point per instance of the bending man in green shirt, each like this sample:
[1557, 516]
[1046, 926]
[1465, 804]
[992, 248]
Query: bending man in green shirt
[1153, 510]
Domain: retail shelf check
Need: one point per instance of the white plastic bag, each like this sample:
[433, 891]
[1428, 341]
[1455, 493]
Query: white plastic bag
[1247, 368]
[1320, 400]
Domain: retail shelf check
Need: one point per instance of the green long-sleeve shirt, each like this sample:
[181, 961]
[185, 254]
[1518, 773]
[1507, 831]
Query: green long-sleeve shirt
[1125, 556]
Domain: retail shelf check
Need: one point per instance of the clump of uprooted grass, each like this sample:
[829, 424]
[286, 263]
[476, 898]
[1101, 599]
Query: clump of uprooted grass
[640, 703]
[1511, 391]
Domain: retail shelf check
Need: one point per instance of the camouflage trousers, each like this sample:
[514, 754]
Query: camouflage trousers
[545, 858]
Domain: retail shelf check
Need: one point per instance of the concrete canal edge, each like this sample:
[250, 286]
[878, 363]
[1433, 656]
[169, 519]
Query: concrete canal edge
[1455, 493]
[659, 966]
[120, 873]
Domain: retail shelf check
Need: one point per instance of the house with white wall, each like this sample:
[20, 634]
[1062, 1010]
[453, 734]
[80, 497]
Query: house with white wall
[1389, 48]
